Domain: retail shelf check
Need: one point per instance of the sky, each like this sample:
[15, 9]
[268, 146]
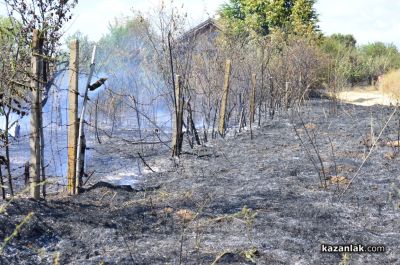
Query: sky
[93, 17]
[367, 20]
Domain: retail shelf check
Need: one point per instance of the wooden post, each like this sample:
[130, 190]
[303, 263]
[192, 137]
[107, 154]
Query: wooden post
[253, 98]
[178, 121]
[73, 115]
[224, 101]
[34, 137]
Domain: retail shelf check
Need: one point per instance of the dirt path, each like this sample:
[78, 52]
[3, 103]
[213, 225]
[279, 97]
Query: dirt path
[237, 201]
[366, 97]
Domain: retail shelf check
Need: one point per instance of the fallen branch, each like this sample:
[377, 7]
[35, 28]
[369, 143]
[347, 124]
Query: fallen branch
[220, 256]
[144, 162]
[129, 188]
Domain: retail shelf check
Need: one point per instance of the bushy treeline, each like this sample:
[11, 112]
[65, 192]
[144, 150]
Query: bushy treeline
[350, 64]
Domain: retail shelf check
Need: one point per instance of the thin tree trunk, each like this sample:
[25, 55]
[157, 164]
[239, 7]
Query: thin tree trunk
[26, 173]
[192, 124]
[171, 65]
[214, 120]
[252, 104]
[224, 101]
[44, 75]
[2, 185]
[138, 124]
[272, 100]
[241, 119]
[42, 153]
[177, 138]
[96, 120]
[252, 98]
[140, 135]
[286, 95]
[7, 143]
[205, 139]
[81, 162]
[262, 90]
[113, 120]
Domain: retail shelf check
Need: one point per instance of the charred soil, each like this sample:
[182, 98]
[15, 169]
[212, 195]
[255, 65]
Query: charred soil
[273, 199]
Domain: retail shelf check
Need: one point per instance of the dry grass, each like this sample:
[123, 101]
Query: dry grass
[390, 84]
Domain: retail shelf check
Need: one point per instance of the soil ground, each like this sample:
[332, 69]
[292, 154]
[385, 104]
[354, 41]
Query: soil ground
[273, 199]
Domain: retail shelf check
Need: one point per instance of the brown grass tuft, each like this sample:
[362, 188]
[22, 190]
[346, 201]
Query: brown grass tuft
[393, 144]
[341, 180]
[310, 126]
[390, 84]
[185, 215]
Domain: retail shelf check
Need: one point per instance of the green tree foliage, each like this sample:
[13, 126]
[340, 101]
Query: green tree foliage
[14, 62]
[346, 40]
[234, 19]
[379, 49]
[344, 64]
[379, 58]
[353, 64]
[264, 17]
[304, 18]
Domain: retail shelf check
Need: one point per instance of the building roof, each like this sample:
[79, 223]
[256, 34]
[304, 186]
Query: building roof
[202, 27]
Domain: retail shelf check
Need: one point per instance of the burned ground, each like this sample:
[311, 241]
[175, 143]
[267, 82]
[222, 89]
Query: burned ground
[234, 201]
